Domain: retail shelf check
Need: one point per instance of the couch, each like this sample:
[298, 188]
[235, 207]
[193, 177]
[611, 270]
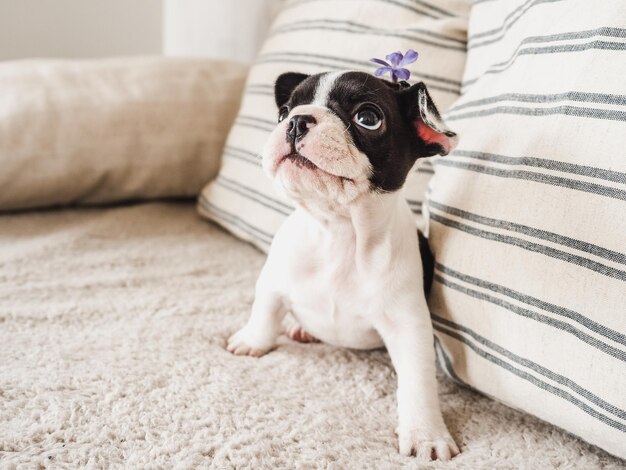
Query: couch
[113, 322]
[118, 296]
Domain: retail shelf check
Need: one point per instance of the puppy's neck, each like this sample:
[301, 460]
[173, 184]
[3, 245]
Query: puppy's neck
[369, 223]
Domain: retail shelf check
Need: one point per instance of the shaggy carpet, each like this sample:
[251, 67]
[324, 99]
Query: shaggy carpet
[112, 330]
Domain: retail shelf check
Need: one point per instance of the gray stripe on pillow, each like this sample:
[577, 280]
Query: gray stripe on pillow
[414, 9]
[532, 379]
[554, 165]
[447, 363]
[538, 317]
[258, 91]
[242, 156]
[534, 302]
[430, 6]
[534, 247]
[351, 28]
[566, 110]
[538, 178]
[231, 219]
[502, 66]
[509, 20]
[580, 245]
[251, 125]
[265, 124]
[259, 120]
[259, 198]
[251, 197]
[577, 96]
[547, 373]
[247, 152]
[606, 31]
[259, 193]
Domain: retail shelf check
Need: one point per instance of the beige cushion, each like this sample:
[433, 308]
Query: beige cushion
[315, 36]
[528, 216]
[107, 130]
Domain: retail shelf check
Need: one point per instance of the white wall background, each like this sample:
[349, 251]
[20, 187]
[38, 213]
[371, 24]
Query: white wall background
[229, 29]
[79, 28]
[99, 28]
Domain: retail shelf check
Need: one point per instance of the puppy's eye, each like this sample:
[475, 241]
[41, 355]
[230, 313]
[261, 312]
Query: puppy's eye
[368, 118]
[282, 113]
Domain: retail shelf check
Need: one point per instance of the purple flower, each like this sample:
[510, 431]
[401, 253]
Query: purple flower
[395, 65]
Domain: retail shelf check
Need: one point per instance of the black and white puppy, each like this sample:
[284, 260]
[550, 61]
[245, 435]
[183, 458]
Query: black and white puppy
[346, 263]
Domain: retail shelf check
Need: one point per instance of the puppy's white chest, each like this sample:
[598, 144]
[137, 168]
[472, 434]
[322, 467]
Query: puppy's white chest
[330, 301]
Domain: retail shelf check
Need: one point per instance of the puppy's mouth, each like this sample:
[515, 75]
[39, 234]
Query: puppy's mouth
[302, 162]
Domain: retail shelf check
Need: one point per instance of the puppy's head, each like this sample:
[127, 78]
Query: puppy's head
[342, 135]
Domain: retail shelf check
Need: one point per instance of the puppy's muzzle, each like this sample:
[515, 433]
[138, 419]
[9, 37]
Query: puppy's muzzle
[298, 126]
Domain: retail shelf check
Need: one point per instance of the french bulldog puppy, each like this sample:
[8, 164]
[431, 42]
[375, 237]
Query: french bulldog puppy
[346, 263]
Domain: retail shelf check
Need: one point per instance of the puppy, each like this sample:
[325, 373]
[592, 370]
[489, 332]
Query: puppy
[346, 263]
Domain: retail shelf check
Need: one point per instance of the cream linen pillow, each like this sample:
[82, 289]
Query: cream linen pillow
[98, 131]
[312, 36]
[528, 216]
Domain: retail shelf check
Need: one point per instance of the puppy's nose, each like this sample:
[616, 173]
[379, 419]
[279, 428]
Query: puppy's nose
[299, 125]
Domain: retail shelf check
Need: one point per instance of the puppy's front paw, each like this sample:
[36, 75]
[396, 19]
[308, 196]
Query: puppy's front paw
[243, 343]
[427, 445]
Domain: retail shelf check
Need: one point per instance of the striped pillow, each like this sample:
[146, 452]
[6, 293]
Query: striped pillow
[313, 36]
[528, 215]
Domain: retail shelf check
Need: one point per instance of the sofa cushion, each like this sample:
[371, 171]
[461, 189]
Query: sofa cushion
[98, 131]
[528, 216]
[313, 36]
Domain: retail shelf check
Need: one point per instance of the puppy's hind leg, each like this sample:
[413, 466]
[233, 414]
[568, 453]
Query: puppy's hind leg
[294, 331]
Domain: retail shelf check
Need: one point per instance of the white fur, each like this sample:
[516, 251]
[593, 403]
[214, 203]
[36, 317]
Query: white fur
[324, 87]
[346, 264]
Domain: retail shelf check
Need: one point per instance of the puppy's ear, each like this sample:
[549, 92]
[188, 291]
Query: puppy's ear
[285, 84]
[419, 109]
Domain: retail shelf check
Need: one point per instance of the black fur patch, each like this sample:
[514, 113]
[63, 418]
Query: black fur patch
[285, 84]
[428, 262]
[395, 146]
[293, 89]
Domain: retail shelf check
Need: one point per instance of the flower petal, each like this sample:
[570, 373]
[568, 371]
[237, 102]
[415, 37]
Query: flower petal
[409, 58]
[394, 58]
[383, 70]
[381, 62]
[402, 74]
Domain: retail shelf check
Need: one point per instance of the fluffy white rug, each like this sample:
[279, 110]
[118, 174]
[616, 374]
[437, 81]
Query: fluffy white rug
[112, 330]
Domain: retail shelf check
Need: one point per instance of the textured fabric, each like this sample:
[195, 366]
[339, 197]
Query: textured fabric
[528, 215]
[312, 36]
[113, 324]
[108, 130]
